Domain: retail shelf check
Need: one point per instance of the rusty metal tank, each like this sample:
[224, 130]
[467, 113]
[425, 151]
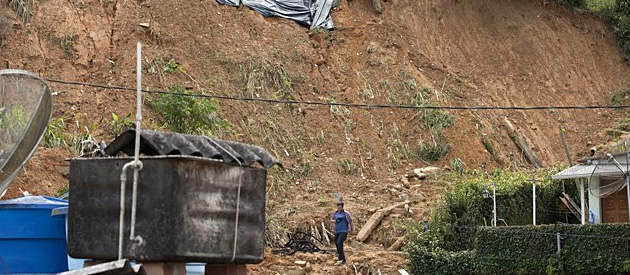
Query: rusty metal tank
[186, 209]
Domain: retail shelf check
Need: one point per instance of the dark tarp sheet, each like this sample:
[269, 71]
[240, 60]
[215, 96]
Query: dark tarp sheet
[313, 13]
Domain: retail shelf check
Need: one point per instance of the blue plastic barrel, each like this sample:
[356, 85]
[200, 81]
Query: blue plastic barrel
[31, 239]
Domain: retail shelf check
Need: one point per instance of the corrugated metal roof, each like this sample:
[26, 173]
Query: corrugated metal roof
[153, 143]
[586, 171]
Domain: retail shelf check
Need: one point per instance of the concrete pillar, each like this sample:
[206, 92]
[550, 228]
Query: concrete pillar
[161, 268]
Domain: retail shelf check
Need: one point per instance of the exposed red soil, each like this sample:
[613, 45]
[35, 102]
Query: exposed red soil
[470, 53]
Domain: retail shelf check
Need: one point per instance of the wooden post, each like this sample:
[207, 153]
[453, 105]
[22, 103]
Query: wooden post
[531, 156]
[161, 268]
[376, 218]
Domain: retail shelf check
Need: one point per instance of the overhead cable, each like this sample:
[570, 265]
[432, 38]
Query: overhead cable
[350, 105]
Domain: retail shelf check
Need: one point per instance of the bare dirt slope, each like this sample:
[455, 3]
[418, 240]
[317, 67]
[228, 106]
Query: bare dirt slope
[468, 53]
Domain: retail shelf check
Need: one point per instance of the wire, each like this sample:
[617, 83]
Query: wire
[351, 105]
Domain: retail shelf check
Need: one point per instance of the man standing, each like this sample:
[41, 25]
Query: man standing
[343, 227]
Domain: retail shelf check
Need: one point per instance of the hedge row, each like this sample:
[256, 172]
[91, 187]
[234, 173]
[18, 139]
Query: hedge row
[464, 205]
[585, 249]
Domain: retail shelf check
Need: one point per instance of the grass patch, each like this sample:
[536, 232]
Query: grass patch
[58, 135]
[23, 9]
[620, 97]
[263, 76]
[348, 167]
[67, 45]
[438, 120]
[622, 128]
[433, 150]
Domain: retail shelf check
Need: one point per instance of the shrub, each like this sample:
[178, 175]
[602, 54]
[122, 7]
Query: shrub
[463, 206]
[619, 97]
[184, 113]
[434, 150]
[120, 124]
[619, 18]
[585, 249]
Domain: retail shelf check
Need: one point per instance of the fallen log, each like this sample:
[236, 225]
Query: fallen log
[397, 244]
[531, 156]
[374, 221]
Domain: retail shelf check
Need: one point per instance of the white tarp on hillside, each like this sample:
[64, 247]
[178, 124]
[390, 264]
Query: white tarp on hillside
[312, 13]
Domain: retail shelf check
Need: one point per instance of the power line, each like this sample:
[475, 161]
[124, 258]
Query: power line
[350, 105]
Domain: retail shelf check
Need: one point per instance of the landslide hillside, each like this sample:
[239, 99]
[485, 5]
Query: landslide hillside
[416, 52]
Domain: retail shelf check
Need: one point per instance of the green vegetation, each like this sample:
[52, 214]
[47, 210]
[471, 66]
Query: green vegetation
[264, 76]
[23, 8]
[12, 123]
[118, 124]
[348, 167]
[585, 249]
[188, 114]
[170, 66]
[622, 127]
[64, 189]
[615, 12]
[458, 166]
[453, 242]
[620, 97]
[58, 135]
[433, 150]
[67, 45]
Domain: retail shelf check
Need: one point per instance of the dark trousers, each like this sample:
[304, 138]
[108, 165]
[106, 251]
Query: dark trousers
[339, 239]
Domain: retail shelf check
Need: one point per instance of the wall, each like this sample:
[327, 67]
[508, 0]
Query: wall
[594, 202]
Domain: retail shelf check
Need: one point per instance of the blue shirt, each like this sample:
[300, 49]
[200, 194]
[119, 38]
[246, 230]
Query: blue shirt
[342, 221]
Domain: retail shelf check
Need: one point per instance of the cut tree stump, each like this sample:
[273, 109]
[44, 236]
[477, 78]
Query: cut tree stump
[376, 218]
[531, 156]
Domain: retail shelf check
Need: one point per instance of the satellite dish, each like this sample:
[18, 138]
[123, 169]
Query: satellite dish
[25, 109]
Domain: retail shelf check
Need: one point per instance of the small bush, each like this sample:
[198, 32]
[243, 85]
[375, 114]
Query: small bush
[433, 150]
[438, 120]
[120, 124]
[347, 167]
[620, 97]
[184, 113]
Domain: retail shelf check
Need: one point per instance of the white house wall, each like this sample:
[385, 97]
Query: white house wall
[594, 202]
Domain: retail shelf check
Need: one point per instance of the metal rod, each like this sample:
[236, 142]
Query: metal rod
[628, 194]
[121, 218]
[558, 242]
[136, 158]
[494, 201]
[582, 202]
[534, 203]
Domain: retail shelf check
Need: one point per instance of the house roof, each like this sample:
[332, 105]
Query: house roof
[588, 170]
[155, 143]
